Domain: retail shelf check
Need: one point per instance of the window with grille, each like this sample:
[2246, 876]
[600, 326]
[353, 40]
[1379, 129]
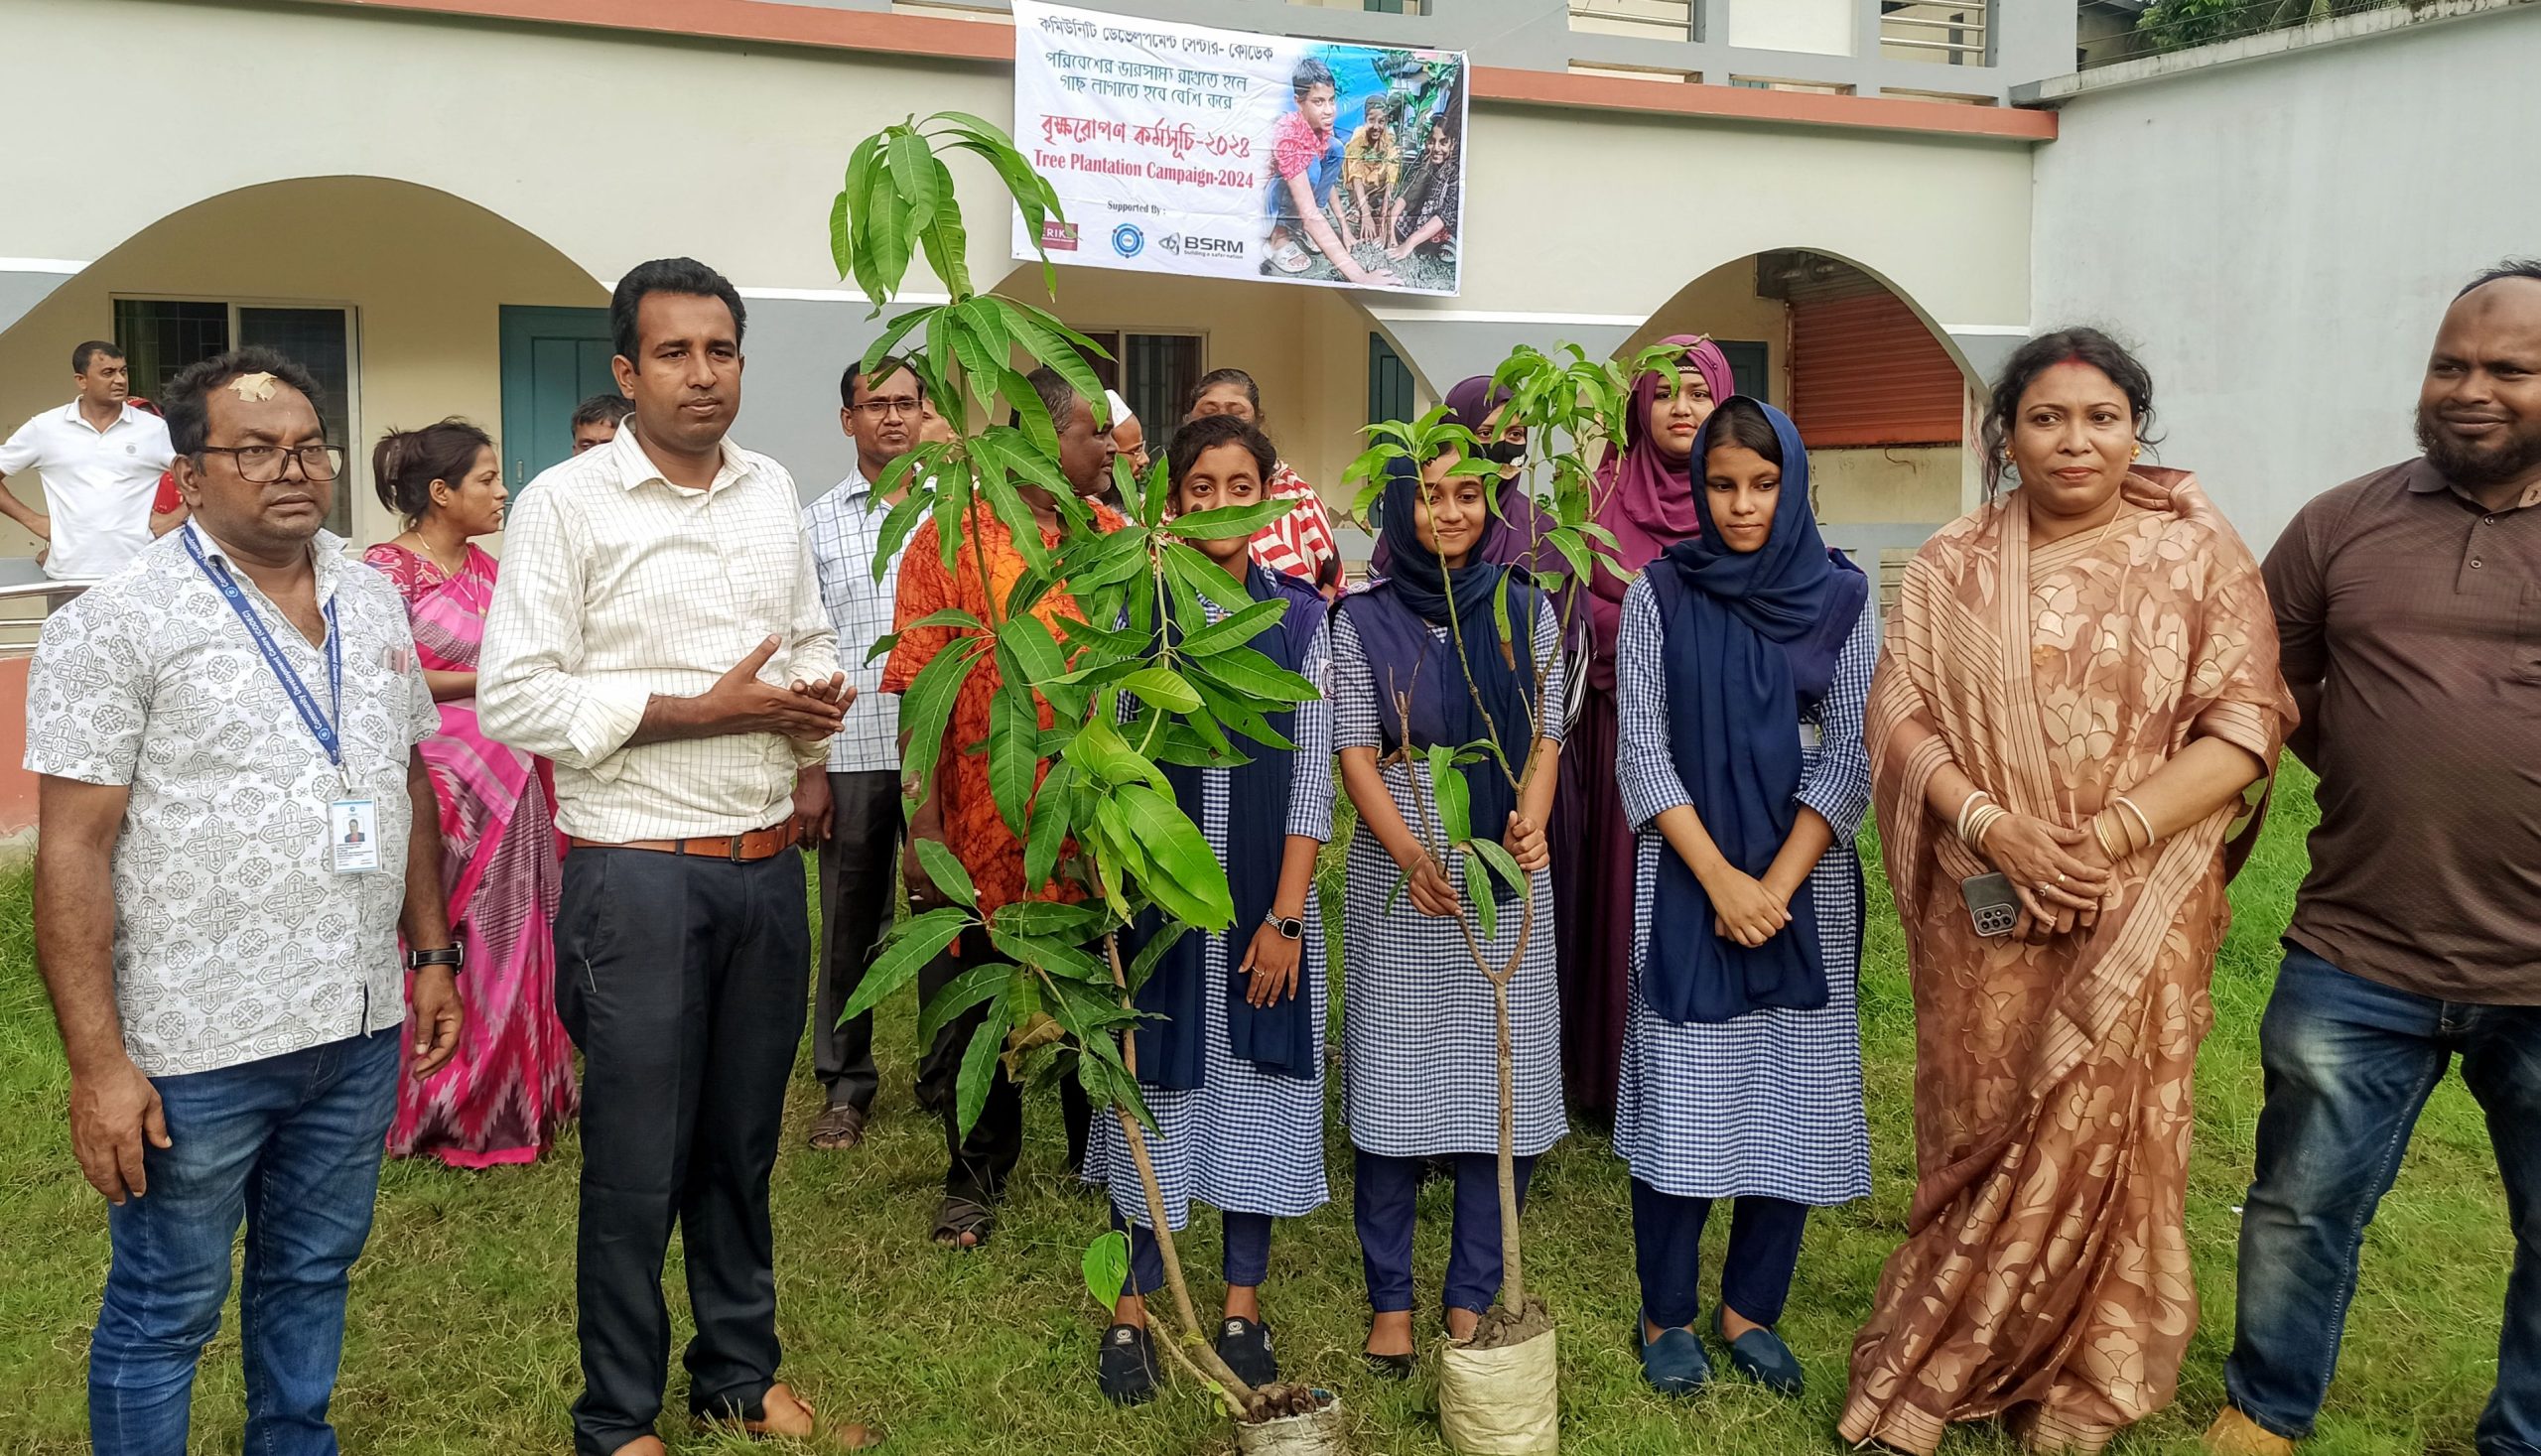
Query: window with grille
[161, 336]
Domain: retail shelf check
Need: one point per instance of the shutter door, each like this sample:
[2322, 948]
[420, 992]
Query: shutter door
[1866, 371]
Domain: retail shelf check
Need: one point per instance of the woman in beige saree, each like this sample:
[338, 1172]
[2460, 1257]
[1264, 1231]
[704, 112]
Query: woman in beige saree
[2077, 687]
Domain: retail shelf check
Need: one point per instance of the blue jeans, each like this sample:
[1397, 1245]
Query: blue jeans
[2350, 1063]
[1244, 1264]
[290, 1145]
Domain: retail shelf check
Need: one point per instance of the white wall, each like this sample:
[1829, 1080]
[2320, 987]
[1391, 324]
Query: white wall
[1818, 26]
[2280, 238]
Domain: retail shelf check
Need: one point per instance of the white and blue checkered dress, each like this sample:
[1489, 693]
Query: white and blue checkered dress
[1421, 1075]
[1244, 1140]
[1768, 1103]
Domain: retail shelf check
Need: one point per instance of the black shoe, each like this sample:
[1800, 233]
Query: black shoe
[1244, 1345]
[1125, 1366]
[1391, 1366]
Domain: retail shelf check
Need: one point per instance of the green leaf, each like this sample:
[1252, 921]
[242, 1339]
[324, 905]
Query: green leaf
[842, 234]
[1106, 1267]
[1235, 630]
[945, 869]
[914, 177]
[928, 705]
[1031, 417]
[1230, 520]
[1193, 571]
[1073, 923]
[1486, 906]
[947, 243]
[1162, 687]
[889, 342]
[1100, 750]
[896, 529]
[1015, 741]
[1049, 831]
[886, 236]
[1502, 863]
[1189, 882]
[1143, 964]
[979, 1070]
[1451, 795]
[919, 940]
[1243, 670]
[1032, 330]
[959, 994]
[1055, 956]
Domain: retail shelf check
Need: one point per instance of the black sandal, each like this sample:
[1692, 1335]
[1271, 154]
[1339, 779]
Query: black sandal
[958, 1216]
[1244, 1345]
[1125, 1366]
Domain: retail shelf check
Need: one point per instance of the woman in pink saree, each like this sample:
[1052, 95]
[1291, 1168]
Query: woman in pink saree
[2076, 689]
[503, 1098]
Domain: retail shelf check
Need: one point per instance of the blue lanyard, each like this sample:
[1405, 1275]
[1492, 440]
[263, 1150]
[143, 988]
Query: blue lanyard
[321, 725]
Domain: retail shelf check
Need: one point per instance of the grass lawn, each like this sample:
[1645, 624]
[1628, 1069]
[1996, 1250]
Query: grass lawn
[461, 1319]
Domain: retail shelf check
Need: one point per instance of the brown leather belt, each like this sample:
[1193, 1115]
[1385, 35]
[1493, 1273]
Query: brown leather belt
[740, 848]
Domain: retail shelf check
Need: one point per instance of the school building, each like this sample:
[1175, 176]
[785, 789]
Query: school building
[1867, 202]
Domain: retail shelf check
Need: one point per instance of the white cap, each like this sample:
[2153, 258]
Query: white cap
[1122, 414]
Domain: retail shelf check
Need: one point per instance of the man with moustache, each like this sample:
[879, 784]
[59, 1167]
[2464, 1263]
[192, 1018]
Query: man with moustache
[884, 413]
[658, 633]
[101, 456]
[225, 971]
[2409, 603]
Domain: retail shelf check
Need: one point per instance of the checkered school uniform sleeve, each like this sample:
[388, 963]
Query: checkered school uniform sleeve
[1310, 781]
[1645, 765]
[1353, 692]
[1837, 785]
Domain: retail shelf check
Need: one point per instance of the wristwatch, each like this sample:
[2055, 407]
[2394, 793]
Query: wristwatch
[451, 955]
[1292, 927]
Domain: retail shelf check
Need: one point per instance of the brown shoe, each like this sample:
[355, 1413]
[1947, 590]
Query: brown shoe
[2235, 1434]
[786, 1416]
[839, 1128]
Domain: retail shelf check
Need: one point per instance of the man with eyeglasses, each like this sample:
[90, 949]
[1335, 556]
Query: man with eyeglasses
[884, 413]
[233, 830]
[100, 457]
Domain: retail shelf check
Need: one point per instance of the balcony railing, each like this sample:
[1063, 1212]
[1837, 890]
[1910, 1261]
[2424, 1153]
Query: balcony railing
[1921, 30]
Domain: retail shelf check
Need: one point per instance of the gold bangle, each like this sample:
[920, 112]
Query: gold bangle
[2099, 831]
[2145, 821]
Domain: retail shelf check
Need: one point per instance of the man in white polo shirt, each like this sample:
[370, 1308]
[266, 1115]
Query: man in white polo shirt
[100, 460]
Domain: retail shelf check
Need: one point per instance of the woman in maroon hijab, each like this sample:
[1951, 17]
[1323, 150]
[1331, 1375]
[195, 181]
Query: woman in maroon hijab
[1646, 497]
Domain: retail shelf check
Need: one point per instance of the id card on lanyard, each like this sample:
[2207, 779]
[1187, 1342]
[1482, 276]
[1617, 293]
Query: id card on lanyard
[352, 820]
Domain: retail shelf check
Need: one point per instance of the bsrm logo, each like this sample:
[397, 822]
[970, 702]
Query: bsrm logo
[1202, 247]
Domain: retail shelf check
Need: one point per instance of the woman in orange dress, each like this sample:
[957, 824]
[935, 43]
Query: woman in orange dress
[2078, 688]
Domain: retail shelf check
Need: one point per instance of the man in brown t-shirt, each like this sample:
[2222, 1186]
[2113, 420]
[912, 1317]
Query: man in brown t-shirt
[2409, 607]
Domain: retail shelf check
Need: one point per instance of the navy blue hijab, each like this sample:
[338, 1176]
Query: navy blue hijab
[1393, 617]
[1751, 642]
[1277, 1039]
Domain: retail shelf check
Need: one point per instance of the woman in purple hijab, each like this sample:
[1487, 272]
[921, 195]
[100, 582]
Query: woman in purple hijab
[1646, 497]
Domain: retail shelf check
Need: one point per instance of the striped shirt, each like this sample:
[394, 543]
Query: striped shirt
[845, 531]
[618, 585]
[1300, 542]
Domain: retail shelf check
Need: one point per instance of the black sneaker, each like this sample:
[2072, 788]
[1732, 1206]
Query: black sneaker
[1245, 1346]
[1125, 1366]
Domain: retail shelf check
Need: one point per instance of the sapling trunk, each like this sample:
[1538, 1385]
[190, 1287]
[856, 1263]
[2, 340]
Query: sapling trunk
[1513, 1276]
[1201, 1359]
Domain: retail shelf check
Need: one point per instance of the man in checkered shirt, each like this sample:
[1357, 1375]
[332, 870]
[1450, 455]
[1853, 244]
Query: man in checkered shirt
[882, 413]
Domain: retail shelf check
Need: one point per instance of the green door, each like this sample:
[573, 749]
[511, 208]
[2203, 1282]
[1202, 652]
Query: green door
[553, 360]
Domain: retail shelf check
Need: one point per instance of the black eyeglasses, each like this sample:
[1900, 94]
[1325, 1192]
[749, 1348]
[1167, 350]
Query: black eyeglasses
[262, 465]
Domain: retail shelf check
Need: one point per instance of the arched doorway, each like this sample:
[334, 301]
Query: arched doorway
[1884, 400]
[394, 294]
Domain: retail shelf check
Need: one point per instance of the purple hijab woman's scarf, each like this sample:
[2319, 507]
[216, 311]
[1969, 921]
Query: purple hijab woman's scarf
[1645, 498]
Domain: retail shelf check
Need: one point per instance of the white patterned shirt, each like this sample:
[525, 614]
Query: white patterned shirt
[845, 529]
[235, 939]
[617, 586]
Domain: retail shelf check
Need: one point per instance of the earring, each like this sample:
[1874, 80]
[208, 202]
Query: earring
[2139, 453]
